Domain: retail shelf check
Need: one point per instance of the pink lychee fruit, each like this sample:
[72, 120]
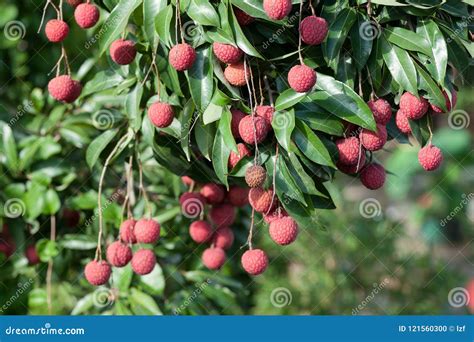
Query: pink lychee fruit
[119, 254]
[32, 255]
[63, 88]
[213, 193]
[127, 234]
[254, 261]
[351, 169]
[302, 78]
[402, 122]
[373, 176]
[56, 30]
[86, 15]
[262, 200]
[143, 261]
[161, 114]
[222, 215]
[227, 53]
[200, 231]
[313, 30]
[237, 196]
[284, 230]
[236, 74]
[277, 9]
[374, 141]
[237, 116]
[430, 157]
[253, 129]
[147, 231]
[234, 158]
[123, 51]
[182, 56]
[213, 258]
[413, 107]
[382, 110]
[265, 112]
[97, 272]
[349, 150]
[223, 238]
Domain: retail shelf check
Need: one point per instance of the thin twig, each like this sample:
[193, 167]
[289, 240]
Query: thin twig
[49, 272]
[299, 36]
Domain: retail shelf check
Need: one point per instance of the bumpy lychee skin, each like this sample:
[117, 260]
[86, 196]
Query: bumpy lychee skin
[430, 157]
[32, 255]
[213, 258]
[143, 261]
[413, 107]
[182, 56]
[56, 30]
[192, 204]
[97, 272]
[223, 238]
[253, 129]
[349, 150]
[255, 176]
[187, 180]
[382, 111]
[86, 15]
[119, 254]
[265, 112]
[235, 74]
[254, 261]
[301, 78]
[373, 176]
[200, 231]
[122, 51]
[237, 116]
[313, 30]
[402, 122]
[277, 9]
[213, 193]
[161, 114]
[234, 158]
[237, 196]
[127, 234]
[243, 18]
[227, 53]
[222, 215]
[284, 230]
[274, 215]
[355, 168]
[147, 231]
[261, 200]
[63, 88]
[74, 3]
[374, 141]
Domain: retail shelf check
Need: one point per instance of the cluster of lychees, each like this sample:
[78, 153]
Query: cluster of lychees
[119, 253]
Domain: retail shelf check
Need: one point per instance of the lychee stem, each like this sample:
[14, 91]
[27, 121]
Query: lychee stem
[361, 93]
[48, 2]
[313, 12]
[275, 163]
[369, 78]
[142, 187]
[49, 272]
[269, 90]
[252, 111]
[179, 23]
[250, 237]
[299, 35]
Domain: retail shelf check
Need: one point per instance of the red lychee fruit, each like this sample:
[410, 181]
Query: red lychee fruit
[147, 231]
[235, 74]
[351, 169]
[74, 3]
[71, 217]
[262, 200]
[349, 150]
[254, 261]
[161, 114]
[143, 261]
[302, 78]
[243, 18]
[63, 88]
[182, 56]
[200, 231]
[119, 254]
[32, 255]
[192, 204]
[234, 158]
[382, 111]
[127, 234]
[430, 157]
[97, 272]
[255, 176]
[237, 116]
[237, 196]
[313, 30]
[413, 107]
[439, 110]
[470, 291]
[283, 230]
[222, 215]
[223, 238]
[373, 176]
[123, 51]
[213, 258]
[86, 15]
[187, 180]
[253, 129]
[402, 122]
[275, 214]
[265, 112]
[213, 193]
[227, 53]
[56, 30]
[277, 9]
[374, 141]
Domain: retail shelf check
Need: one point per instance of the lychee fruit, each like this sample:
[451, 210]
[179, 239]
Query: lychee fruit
[161, 114]
[182, 56]
[187, 180]
[439, 110]
[237, 116]
[32, 255]
[253, 129]
[255, 176]
[254, 261]
[213, 258]
[283, 230]
[382, 111]
[147, 231]
[373, 176]
[275, 214]
[313, 30]
[235, 74]
[127, 234]
[97, 272]
[277, 9]
[86, 15]
[63, 88]
[430, 157]
[243, 18]
[265, 112]
[123, 51]
[402, 122]
[234, 158]
[262, 200]
[119, 254]
[227, 53]
[213, 193]
[71, 217]
[223, 238]
[301, 78]
[56, 30]
[374, 141]
[413, 107]
[200, 231]
[237, 196]
[222, 215]
[351, 169]
[349, 150]
[74, 3]
[143, 261]
[192, 204]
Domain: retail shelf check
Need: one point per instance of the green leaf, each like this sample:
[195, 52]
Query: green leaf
[407, 39]
[9, 148]
[435, 95]
[103, 80]
[226, 130]
[132, 107]
[220, 158]
[361, 46]
[98, 145]
[204, 135]
[163, 25]
[186, 125]
[52, 203]
[151, 8]
[47, 249]
[240, 38]
[310, 144]
[288, 99]
[283, 124]
[284, 180]
[154, 282]
[143, 304]
[201, 83]
[254, 8]
[439, 52]
[202, 12]
[79, 242]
